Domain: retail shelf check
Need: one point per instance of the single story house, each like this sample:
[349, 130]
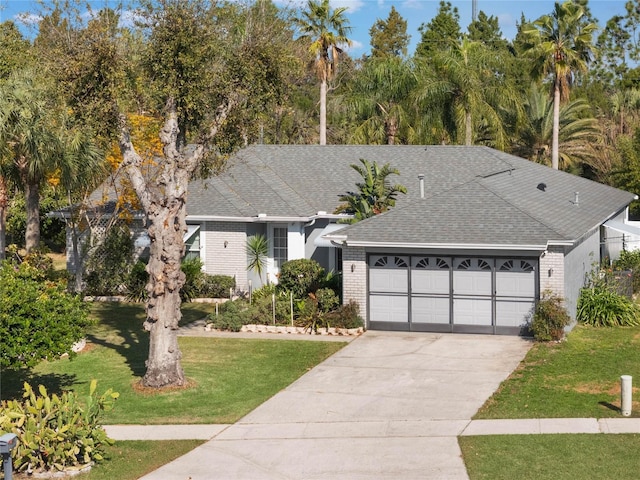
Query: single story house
[470, 247]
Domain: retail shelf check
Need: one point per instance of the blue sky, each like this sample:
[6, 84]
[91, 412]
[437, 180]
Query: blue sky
[363, 13]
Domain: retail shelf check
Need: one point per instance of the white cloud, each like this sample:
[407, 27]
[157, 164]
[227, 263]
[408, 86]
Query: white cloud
[355, 47]
[352, 5]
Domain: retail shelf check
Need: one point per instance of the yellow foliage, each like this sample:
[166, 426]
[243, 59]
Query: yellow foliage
[145, 138]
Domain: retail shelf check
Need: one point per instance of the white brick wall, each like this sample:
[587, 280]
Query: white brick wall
[224, 250]
[354, 277]
[552, 271]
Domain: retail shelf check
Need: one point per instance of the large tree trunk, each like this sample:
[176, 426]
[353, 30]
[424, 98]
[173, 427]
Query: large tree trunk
[4, 202]
[555, 149]
[163, 199]
[468, 130]
[32, 200]
[166, 231]
[323, 112]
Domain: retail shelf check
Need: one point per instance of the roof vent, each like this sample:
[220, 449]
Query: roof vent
[542, 187]
[421, 179]
[262, 215]
[576, 198]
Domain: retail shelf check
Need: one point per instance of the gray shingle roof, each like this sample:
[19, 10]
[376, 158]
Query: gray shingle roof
[474, 195]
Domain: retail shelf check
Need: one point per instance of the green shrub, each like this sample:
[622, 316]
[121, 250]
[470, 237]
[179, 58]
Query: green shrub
[630, 261]
[301, 276]
[231, 315]
[194, 279]
[137, 283]
[550, 318]
[602, 307]
[327, 299]
[217, 286]
[345, 316]
[54, 431]
[264, 292]
[38, 318]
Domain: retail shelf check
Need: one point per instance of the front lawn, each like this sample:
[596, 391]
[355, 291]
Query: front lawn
[229, 377]
[551, 457]
[133, 459]
[579, 377]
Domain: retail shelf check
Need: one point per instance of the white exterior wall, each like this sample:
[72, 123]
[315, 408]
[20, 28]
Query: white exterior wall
[224, 250]
[354, 278]
[552, 271]
[295, 241]
[578, 264]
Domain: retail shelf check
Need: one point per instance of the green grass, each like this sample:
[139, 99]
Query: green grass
[552, 457]
[230, 377]
[579, 377]
[133, 459]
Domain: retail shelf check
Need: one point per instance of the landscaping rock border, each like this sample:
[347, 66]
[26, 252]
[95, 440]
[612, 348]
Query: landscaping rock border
[279, 329]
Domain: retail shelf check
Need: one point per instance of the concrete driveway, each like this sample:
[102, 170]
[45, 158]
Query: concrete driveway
[388, 405]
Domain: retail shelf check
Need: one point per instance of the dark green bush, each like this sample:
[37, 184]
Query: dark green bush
[550, 318]
[38, 318]
[217, 286]
[345, 316]
[602, 307]
[194, 279]
[231, 316]
[302, 276]
[137, 283]
[327, 299]
[54, 431]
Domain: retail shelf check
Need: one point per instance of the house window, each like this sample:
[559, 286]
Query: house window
[280, 251]
[192, 243]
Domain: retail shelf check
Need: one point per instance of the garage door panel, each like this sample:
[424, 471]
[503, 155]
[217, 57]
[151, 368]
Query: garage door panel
[430, 310]
[514, 312]
[389, 308]
[392, 281]
[515, 284]
[430, 281]
[472, 311]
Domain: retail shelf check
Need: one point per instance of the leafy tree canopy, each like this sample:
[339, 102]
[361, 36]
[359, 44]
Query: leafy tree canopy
[389, 37]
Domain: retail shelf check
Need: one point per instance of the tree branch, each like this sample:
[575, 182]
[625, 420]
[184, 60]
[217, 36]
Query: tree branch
[131, 162]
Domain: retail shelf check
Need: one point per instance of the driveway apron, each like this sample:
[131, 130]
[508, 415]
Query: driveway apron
[388, 405]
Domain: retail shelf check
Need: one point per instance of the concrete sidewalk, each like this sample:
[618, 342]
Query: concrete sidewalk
[425, 428]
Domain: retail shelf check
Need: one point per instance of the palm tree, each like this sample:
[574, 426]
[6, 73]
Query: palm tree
[560, 46]
[257, 252]
[326, 29]
[463, 86]
[578, 131]
[378, 96]
[28, 144]
[375, 194]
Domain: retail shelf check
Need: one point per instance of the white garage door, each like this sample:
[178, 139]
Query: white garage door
[472, 292]
[465, 294]
[515, 291]
[389, 289]
[430, 290]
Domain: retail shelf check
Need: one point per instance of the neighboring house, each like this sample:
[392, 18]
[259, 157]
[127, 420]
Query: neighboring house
[470, 247]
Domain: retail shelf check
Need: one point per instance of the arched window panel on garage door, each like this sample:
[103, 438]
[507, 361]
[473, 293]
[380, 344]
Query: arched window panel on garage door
[515, 291]
[430, 290]
[389, 289]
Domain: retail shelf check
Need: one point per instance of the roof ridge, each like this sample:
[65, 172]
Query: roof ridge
[528, 214]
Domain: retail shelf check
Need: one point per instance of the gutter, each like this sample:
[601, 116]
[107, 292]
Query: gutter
[264, 218]
[342, 240]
